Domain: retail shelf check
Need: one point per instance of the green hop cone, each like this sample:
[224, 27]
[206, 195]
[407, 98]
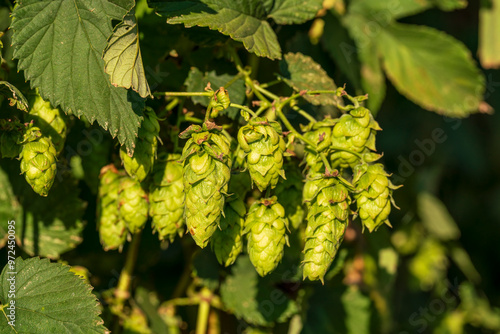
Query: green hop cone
[51, 121]
[38, 161]
[374, 195]
[328, 203]
[354, 132]
[262, 142]
[166, 197]
[133, 204]
[207, 170]
[227, 242]
[289, 192]
[266, 226]
[112, 229]
[141, 163]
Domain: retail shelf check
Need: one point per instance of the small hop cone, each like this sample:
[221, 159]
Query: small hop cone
[38, 161]
[51, 121]
[319, 133]
[207, 170]
[112, 229]
[328, 203]
[227, 242]
[266, 226]
[133, 204]
[355, 132]
[141, 163]
[166, 197]
[374, 195]
[262, 142]
[289, 192]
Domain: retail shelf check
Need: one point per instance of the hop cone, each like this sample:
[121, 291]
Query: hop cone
[206, 176]
[261, 140]
[354, 132]
[266, 226]
[328, 202]
[289, 192]
[166, 197]
[374, 195]
[49, 120]
[227, 242]
[140, 164]
[38, 161]
[133, 204]
[112, 229]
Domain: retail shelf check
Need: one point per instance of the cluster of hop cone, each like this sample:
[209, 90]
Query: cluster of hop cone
[201, 192]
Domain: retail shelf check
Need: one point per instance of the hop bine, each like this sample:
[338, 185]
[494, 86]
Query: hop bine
[141, 163]
[328, 212]
[133, 204]
[50, 121]
[38, 160]
[112, 229]
[373, 195]
[166, 197]
[206, 176]
[262, 142]
[266, 226]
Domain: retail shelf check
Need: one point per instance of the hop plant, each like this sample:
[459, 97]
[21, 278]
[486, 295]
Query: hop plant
[112, 229]
[206, 176]
[38, 160]
[373, 195]
[133, 204]
[266, 225]
[141, 163]
[166, 197]
[262, 142]
[50, 121]
[227, 242]
[289, 192]
[354, 132]
[328, 212]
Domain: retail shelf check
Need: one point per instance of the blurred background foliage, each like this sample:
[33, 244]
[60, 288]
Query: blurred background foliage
[436, 271]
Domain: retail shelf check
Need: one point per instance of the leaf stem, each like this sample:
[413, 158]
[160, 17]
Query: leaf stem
[304, 114]
[248, 110]
[183, 94]
[203, 311]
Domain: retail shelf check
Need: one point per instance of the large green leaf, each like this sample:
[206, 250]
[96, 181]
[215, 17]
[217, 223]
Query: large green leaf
[489, 30]
[48, 299]
[302, 73]
[123, 57]
[432, 69]
[357, 309]
[436, 218]
[243, 21]
[59, 45]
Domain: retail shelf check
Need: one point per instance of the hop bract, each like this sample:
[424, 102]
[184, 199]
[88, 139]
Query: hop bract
[354, 132]
[112, 229]
[50, 121]
[141, 163]
[262, 142]
[38, 161]
[227, 242]
[166, 197]
[206, 176]
[374, 195]
[328, 203]
[266, 225]
[133, 204]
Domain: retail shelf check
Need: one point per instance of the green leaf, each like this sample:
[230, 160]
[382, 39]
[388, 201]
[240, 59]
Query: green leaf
[436, 218]
[294, 11]
[489, 30]
[59, 45]
[10, 209]
[252, 299]
[357, 309]
[17, 97]
[48, 299]
[123, 57]
[197, 81]
[432, 69]
[302, 73]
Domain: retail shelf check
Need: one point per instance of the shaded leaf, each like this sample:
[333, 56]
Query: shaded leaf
[17, 98]
[357, 308]
[206, 269]
[432, 69]
[123, 57]
[436, 218]
[49, 299]
[59, 45]
[10, 209]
